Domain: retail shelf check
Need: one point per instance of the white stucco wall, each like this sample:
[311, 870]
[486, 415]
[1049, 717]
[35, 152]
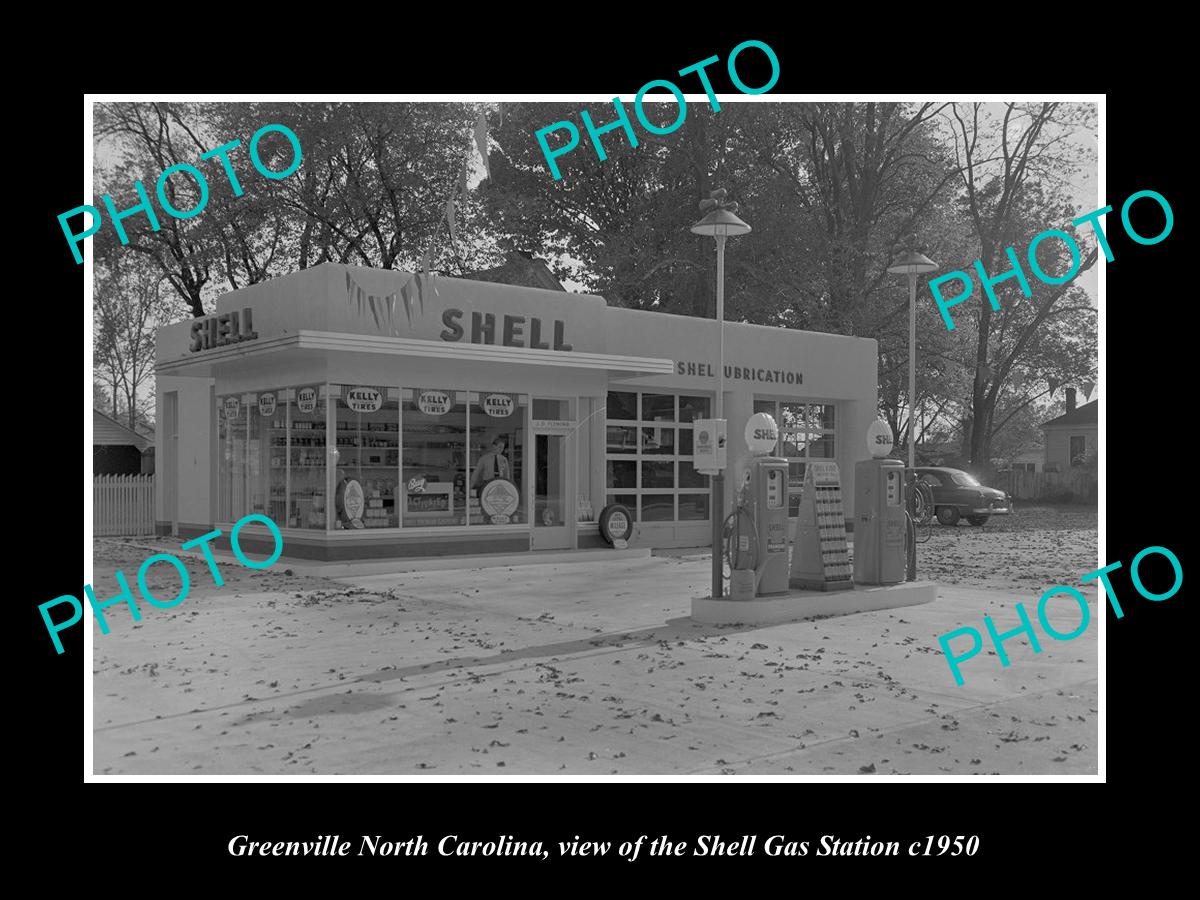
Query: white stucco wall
[192, 484]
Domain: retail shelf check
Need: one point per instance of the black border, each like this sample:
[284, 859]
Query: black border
[1147, 417]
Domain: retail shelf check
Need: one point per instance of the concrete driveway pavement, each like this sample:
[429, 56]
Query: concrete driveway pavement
[573, 669]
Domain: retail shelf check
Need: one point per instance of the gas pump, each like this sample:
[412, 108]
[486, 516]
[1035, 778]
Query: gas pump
[880, 526]
[756, 531]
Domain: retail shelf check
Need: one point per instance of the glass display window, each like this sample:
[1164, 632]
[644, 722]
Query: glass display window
[273, 407]
[434, 448]
[300, 426]
[271, 456]
[231, 470]
[497, 452]
[367, 454]
[267, 481]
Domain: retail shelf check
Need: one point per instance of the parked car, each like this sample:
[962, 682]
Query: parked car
[957, 494]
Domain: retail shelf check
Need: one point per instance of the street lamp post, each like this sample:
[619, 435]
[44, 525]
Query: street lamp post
[912, 264]
[720, 223]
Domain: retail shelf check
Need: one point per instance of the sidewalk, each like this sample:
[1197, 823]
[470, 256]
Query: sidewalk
[577, 668]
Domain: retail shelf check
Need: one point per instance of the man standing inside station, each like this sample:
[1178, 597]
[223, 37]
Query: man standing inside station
[492, 465]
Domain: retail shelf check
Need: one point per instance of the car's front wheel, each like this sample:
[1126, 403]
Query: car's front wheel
[947, 515]
[977, 520]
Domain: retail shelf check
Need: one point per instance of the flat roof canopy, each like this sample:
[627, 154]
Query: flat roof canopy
[313, 343]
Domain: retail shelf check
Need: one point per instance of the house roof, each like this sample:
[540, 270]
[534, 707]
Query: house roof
[108, 432]
[522, 269]
[1088, 414]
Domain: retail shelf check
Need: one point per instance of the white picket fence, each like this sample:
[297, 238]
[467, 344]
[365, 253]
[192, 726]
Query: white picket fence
[1073, 485]
[123, 504]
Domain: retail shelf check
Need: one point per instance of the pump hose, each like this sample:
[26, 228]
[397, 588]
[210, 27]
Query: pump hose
[732, 532]
[910, 546]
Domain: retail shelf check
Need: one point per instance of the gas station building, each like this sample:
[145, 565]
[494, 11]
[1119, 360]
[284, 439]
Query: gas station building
[361, 410]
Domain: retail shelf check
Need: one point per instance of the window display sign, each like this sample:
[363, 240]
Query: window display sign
[364, 399]
[266, 404]
[499, 406]
[306, 399]
[499, 499]
[232, 406]
[430, 498]
[351, 502]
[435, 403]
[824, 472]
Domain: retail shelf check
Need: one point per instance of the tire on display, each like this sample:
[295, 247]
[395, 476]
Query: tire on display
[977, 520]
[624, 520]
[947, 515]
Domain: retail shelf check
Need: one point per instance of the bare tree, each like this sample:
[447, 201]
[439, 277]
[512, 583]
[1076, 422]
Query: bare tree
[128, 301]
[1014, 175]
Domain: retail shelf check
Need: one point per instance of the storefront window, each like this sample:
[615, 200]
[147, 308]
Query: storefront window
[367, 429]
[497, 453]
[231, 475]
[649, 463]
[434, 485]
[306, 456]
[275, 453]
[272, 456]
[258, 451]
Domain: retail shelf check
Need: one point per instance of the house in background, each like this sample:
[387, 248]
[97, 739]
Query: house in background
[523, 270]
[117, 450]
[1073, 439]
[1025, 461]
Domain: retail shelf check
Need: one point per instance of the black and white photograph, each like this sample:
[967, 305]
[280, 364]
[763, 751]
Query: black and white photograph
[697, 434]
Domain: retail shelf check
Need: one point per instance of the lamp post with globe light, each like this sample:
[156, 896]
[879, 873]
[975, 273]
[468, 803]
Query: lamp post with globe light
[912, 264]
[719, 222]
